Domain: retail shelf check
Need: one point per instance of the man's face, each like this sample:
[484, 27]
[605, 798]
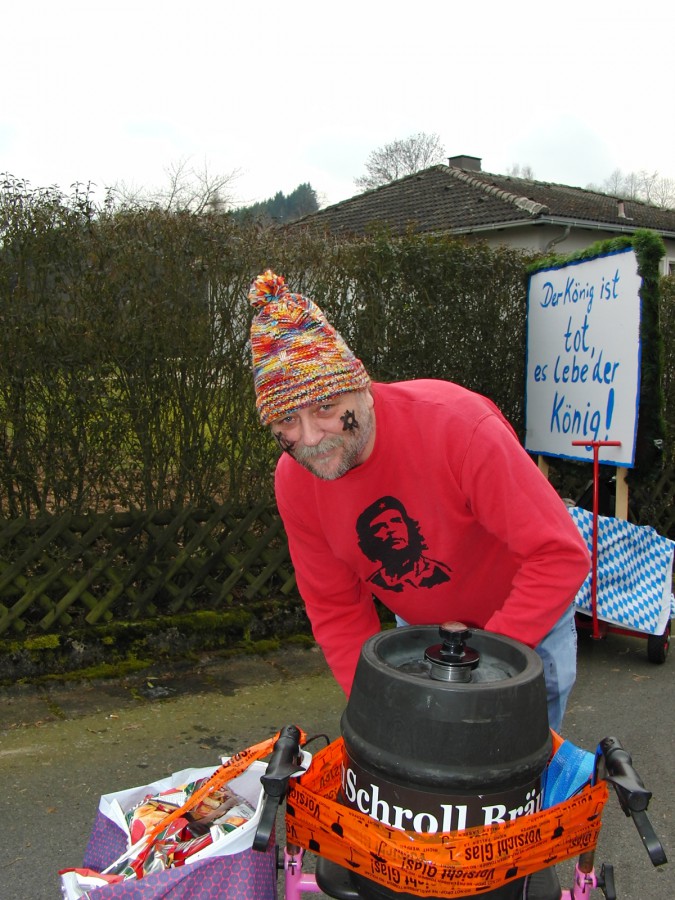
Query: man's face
[329, 438]
[390, 528]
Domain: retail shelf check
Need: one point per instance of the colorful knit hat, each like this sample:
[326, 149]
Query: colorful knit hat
[298, 357]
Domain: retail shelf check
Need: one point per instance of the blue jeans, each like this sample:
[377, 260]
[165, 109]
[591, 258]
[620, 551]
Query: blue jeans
[558, 652]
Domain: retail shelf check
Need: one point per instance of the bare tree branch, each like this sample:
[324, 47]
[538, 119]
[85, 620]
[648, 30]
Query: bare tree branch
[401, 158]
[642, 186]
[521, 171]
[188, 188]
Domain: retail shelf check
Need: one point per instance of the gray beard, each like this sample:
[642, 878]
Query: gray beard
[353, 442]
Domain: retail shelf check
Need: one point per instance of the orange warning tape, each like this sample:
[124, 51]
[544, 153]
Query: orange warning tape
[448, 864]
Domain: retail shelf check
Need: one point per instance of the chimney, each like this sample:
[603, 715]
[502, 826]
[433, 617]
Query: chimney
[621, 209]
[470, 163]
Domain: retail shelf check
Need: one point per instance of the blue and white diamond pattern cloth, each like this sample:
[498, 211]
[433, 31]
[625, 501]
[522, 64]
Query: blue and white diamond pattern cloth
[635, 573]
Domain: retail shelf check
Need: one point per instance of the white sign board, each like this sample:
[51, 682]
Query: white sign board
[583, 358]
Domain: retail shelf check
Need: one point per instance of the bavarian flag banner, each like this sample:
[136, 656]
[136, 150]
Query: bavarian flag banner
[635, 573]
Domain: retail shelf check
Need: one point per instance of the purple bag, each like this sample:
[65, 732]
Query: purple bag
[244, 874]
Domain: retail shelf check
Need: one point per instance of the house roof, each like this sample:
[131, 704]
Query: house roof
[459, 201]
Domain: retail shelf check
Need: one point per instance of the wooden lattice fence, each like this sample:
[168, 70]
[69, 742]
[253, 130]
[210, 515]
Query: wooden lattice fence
[79, 581]
[58, 571]
[91, 569]
[655, 505]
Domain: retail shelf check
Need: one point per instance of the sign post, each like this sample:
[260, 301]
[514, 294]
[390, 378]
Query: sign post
[595, 446]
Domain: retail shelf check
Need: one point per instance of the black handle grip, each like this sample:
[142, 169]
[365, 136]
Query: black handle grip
[284, 762]
[633, 795]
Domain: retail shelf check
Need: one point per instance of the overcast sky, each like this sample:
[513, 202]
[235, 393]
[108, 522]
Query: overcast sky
[303, 90]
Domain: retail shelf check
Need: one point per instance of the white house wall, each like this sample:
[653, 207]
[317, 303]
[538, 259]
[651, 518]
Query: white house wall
[538, 239]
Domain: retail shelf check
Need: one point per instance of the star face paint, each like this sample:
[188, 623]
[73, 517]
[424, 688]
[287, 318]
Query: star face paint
[349, 421]
[286, 445]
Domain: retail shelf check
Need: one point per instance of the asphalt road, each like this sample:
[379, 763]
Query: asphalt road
[62, 747]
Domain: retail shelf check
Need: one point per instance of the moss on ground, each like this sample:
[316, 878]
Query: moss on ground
[117, 648]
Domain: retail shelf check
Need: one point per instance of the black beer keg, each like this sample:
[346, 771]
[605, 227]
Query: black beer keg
[445, 729]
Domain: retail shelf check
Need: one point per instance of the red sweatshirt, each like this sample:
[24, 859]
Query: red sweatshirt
[447, 519]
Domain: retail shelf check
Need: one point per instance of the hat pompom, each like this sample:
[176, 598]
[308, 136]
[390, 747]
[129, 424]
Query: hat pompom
[266, 287]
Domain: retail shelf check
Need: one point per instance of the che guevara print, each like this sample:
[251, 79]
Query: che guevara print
[388, 535]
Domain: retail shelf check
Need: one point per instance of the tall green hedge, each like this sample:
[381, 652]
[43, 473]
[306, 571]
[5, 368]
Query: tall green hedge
[667, 329]
[124, 360]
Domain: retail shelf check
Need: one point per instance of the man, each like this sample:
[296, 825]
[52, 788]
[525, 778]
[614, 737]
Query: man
[382, 472]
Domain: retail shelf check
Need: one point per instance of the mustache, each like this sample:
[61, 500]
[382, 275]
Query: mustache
[306, 454]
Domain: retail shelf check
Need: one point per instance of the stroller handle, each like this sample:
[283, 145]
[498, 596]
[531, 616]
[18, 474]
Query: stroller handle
[616, 765]
[284, 762]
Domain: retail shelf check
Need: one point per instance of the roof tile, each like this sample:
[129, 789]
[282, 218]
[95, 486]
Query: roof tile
[447, 199]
